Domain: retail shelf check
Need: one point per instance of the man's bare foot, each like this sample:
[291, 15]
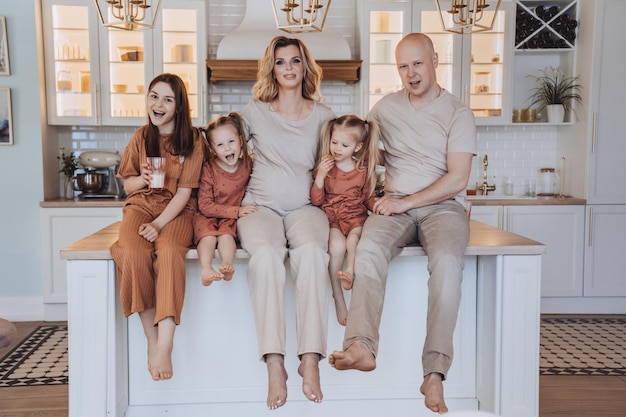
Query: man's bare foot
[227, 271]
[310, 372]
[342, 312]
[346, 279]
[277, 381]
[357, 356]
[161, 365]
[432, 389]
[209, 275]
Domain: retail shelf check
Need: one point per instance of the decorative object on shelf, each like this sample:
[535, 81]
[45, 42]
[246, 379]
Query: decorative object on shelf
[466, 16]
[554, 88]
[524, 115]
[69, 165]
[544, 26]
[4, 48]
[6, 123]
[306, 16]
[128, 14]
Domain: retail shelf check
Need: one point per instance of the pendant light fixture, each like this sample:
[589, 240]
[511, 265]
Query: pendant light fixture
[296, 16]
[128, 14]
[467, 16]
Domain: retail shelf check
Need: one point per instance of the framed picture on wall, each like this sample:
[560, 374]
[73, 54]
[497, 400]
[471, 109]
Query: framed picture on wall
[6, 125]
[4, 48]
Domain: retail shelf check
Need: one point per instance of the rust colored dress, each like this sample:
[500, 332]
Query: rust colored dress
[152, 274]
[345, 198]
[219, 199]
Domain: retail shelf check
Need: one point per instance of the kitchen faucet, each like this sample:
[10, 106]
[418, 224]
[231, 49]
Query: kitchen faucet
[485, 187]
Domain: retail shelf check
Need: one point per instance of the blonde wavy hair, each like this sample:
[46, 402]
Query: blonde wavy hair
[266, 87]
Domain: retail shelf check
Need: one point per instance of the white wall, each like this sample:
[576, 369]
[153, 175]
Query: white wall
[21, 186]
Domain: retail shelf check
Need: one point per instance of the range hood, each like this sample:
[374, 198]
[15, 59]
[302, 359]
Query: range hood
[239, 51]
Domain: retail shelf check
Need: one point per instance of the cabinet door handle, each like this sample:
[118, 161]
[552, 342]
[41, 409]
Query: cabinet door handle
[96, 109]
[590, 230]
[201, 115]
[594, 132]
[466, 94]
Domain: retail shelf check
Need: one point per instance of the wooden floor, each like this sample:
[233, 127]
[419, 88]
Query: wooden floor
[559, 396]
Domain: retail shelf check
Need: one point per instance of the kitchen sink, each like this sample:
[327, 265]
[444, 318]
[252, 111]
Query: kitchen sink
[499, 197]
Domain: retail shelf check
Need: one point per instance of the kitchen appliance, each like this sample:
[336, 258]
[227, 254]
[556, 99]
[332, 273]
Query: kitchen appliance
[99, 179]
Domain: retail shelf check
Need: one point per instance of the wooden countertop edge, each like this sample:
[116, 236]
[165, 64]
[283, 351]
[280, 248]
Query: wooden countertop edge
[539, 201]
[484, 240]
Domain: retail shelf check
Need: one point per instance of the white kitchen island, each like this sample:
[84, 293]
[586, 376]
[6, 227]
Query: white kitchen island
[216, 366]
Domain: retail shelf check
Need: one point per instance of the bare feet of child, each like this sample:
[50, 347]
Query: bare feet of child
[342, 312]
[346, 279]
[310, 373]
[277, 381]
[160, 362]
[227, 271]
[357, 356]
[209, 275]
[432, 389]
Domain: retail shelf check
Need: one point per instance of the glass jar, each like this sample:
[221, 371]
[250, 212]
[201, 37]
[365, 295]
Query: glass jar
[548, 182]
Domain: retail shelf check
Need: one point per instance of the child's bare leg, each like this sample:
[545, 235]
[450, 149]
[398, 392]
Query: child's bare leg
[227, 246]
[206, 251]
[162, 365]
[347, 275]
[277, 380]
[310, 373]
[337, 252]
[151, 332]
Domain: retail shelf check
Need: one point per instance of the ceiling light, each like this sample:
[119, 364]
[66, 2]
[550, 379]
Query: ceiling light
[467, 16]
[128, 14]
[295, 16]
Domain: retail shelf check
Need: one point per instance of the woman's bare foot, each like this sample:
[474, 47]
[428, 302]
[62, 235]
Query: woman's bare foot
[346, 279]
[357, 356]
[227, 271]
[160, 365]
[342, 311]
[209, 275]
[277, 381]
[310, 373]
[432, 389]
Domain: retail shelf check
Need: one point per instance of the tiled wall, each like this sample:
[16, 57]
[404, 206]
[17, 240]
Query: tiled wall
[516, 151]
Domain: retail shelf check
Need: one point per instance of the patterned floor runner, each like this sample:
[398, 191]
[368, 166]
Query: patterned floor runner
[583, 346]
[40, 359]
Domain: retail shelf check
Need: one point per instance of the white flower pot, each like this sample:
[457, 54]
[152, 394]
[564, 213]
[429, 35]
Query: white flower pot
[556, 113]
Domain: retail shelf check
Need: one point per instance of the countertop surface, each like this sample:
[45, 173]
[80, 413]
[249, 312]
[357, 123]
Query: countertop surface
[490, 200]
[484, 240]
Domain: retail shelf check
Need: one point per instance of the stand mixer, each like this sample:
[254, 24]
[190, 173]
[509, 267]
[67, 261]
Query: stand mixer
[92, 161]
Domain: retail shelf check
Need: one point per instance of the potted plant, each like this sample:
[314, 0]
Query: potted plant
[555, 93]
[68, 166]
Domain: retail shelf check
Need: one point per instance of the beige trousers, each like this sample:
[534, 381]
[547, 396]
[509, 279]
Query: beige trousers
[269, 238]
[443, 232]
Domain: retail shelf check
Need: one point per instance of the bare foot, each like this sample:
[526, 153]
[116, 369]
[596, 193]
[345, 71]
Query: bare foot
[342, 312]
[161, 367]
[209, 275]
[357, 356]
[432, 389]
[346, 279]
[277, 381]
[310, 373]
[227, 271]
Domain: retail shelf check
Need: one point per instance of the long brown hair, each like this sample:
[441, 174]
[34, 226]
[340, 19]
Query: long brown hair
[182, 140]
[266, 87]
[235, 120]
[365, 132]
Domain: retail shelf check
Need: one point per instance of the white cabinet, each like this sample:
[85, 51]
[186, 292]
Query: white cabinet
[475, 67]
[545, 36]
[97, 75]
[560, 227]
[605, 260]
[60, 228]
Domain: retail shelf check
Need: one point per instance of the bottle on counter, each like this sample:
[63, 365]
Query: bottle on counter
[548, 182]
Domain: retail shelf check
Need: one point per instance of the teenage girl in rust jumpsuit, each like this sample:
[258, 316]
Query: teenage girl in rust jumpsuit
[157, 230]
